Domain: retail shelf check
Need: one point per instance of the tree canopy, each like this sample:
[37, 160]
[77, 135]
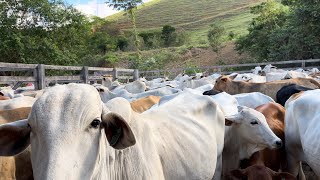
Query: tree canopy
[41, 31]
[284, 30]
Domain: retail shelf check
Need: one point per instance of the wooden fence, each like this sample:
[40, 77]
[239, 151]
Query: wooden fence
[227, 69]
[39, 74]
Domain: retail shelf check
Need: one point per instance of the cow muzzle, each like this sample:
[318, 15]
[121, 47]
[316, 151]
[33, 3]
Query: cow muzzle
[277, 144]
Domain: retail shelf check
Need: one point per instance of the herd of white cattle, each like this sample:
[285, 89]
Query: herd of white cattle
[192, 127]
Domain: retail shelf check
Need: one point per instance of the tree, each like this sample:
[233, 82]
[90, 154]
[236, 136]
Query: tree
[215, 36]
[129, 6]
[168, 35]
[283, 31]
[271, 17]
[304, 28]
[42, 31]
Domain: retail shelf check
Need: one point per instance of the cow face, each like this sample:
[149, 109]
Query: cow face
[252, 126]
[222, 83]
[67, 133]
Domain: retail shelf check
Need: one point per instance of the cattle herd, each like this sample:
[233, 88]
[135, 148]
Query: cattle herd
[256, 126]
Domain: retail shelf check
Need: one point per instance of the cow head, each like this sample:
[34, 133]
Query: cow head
[67, 133]
[253, 129]
[222, 82]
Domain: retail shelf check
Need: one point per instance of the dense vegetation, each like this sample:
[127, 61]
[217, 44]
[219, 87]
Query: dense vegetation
[51, 32]
[39, 31]
[284, 30]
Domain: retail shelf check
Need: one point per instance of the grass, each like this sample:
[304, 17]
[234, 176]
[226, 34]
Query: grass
[195, 17]
[192, 16]
[237, 23]
[188, 14]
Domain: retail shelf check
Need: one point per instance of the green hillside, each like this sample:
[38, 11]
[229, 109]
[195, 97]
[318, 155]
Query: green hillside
[192, 16]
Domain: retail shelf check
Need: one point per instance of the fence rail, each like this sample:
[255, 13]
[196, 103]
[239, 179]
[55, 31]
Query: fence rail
[226, 69]
[39, 73]
[36, 73]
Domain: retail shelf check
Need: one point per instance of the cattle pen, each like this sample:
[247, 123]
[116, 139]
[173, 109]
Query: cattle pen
[15, 74]
[41, 75]
[227, 69]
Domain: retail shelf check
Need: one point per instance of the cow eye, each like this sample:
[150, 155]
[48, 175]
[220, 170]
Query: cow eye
[254, 122]
[95, 123]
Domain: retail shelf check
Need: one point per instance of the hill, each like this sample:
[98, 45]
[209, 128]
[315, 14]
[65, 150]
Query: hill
[192, 16]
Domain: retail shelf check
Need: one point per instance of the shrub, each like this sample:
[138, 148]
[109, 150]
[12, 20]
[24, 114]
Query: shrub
[215, 36]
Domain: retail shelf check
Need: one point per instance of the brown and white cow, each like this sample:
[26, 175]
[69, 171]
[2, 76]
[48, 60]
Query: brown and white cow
[274, 159]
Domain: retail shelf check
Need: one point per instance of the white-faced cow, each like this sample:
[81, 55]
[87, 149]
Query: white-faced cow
[73, 137]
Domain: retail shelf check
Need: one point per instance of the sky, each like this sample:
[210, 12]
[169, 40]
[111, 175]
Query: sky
[93, 7]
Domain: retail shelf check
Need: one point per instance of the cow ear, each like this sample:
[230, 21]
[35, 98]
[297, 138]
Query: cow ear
[233, 76]
[14, 137]
[283, 175]
[241, 108]
[228, 122]
[237, 174]
[236, 118]
[118, 132]
[224, 79]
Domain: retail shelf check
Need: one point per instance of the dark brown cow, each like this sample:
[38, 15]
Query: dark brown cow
[258, 172]
[226, 83]
[274, 159]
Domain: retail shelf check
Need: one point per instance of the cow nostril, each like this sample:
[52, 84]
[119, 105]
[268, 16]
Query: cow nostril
[279, 144]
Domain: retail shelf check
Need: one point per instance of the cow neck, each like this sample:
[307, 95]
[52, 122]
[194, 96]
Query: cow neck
[235, 147]
[112, 164]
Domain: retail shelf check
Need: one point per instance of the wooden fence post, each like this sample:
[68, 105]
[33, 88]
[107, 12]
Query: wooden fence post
[85, 74]
[135, 74]
[114, 74]
[41, 77]
[303, 64]
[35, 75]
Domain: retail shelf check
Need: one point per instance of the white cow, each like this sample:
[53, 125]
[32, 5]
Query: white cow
[107, 95]
[276, 76]
[135, 87]
[252, 100]
[190, 83]
[157, 92]
[269, 68]
[80, 138]
[302, 133]
[296, 74]
[257, 70]
[247, 133]
[169, 97]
